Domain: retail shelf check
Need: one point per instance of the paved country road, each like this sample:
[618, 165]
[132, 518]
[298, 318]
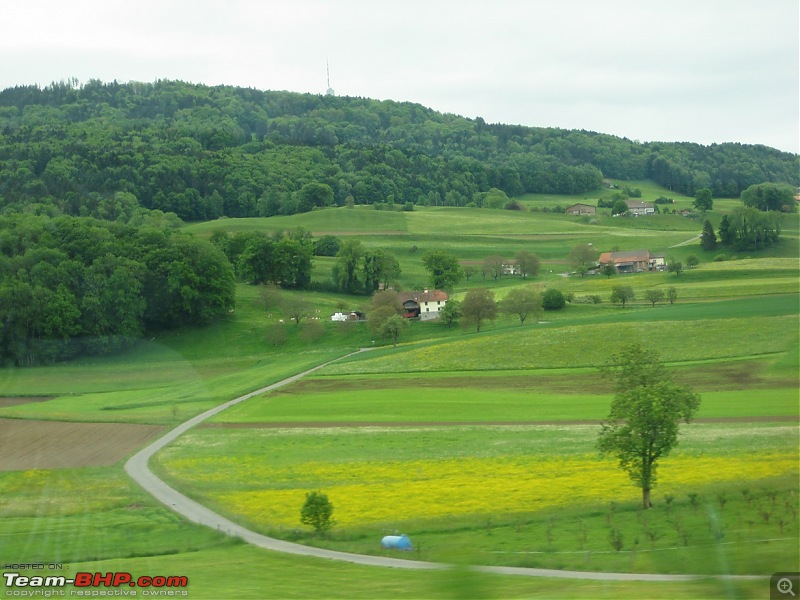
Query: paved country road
[137, 468]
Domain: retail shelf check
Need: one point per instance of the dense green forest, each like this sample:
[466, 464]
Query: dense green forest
[109, 150]
[78, 285]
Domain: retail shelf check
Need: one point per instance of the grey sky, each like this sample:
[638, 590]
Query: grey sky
[674, 70]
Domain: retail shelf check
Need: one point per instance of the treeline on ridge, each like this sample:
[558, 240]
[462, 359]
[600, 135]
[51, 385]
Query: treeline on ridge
[203, 152]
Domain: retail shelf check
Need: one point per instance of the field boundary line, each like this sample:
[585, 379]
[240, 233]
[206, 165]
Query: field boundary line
[138, 469]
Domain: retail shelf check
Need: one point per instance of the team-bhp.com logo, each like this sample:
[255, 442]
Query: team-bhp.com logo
[158, 585]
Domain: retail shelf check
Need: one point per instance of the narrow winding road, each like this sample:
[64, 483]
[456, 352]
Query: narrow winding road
[138, 469]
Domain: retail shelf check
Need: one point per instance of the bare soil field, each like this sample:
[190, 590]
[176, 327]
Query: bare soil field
[17, 400]
[28, 444]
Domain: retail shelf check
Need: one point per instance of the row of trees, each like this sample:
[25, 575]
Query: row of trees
[203, 152]
[76, 285]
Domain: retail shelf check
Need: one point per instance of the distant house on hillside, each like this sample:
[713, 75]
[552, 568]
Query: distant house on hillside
[634, 261]
[637, 207]
[424, 305]
[510, 268]
[581, 209]
[353, 315]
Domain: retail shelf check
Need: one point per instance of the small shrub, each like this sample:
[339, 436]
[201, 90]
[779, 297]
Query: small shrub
[317, 512]
[615, 539]
[553, 299]
[720, 258]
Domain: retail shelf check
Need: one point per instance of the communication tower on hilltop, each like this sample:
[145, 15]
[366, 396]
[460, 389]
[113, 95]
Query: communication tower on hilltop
[330, 91]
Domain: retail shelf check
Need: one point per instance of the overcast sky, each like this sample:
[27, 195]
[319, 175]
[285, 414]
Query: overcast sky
[704, 71]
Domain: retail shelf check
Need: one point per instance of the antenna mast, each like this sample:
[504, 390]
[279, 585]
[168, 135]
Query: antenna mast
[330, 91]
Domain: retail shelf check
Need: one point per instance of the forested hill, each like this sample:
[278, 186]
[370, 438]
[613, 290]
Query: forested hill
[105, 149]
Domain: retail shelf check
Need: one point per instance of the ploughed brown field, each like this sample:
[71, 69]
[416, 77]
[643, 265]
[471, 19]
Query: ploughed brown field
[28, 444]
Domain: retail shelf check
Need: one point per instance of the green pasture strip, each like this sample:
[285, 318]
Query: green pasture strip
[740, 308]
[65, 515]
[470, 405]
[331, 220]
[426, 405]
[200, 458]
[171, 404]
[249, 573]
[537, 347]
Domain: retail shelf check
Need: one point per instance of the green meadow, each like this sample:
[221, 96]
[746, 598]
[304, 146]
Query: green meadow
[445, 430]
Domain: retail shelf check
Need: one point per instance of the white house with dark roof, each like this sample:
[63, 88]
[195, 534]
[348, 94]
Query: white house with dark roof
[424, 305]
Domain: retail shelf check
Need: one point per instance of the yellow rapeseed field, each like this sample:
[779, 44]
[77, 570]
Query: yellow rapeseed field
[365, 493]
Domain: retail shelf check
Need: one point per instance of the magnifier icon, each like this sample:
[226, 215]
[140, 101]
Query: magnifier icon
[784, 586]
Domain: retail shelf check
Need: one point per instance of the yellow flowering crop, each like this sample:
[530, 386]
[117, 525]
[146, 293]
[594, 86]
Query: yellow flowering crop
[365, 493]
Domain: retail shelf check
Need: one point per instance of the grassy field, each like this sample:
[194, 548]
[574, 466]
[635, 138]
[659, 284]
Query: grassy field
[480, 492]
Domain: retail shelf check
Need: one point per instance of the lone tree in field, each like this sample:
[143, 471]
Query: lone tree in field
[385, 318]
[528, 263]
[582, 257]
[444, 270]
[608, 269]
[654, 295]
[522, 302]
[479, 306]
[392, 327]
[648, 406]
[672, 294]
[703, 200]
[622, 294]
[317, 512]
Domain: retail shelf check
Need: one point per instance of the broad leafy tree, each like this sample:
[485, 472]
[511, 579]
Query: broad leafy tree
[528, 263]
[608, 269]
[479, 306]
[450, 313]
[522, 303]
[583, 257]
[622, 294]
[672, 294]
[675, 266]
[346, 269]
[769, 196]
[493, 266]
[703, 200]
[642, 426]
[654, 295]
[443, 269]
